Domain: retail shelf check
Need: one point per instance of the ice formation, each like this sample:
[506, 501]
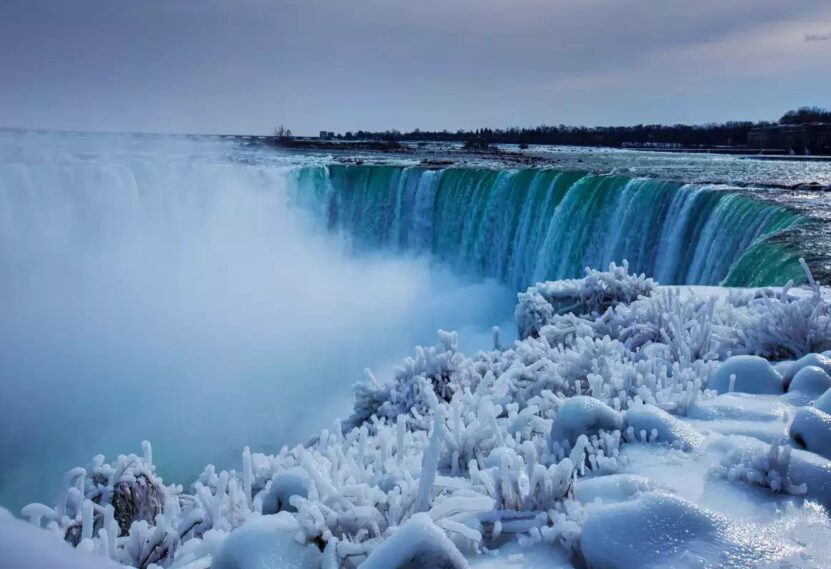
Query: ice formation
[536, 444]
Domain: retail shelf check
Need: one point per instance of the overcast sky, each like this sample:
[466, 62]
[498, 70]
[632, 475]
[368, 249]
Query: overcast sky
[244, 66]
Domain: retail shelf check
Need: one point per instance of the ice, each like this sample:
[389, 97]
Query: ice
[746, 374]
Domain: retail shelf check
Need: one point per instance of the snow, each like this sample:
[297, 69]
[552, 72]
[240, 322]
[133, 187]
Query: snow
[811, 429]
[671, 532]
[23, 546]
[267, 542]
[417, 543]
[581, 415]
[649, 422]
[648, 427]
[746, 374]
[812, 381]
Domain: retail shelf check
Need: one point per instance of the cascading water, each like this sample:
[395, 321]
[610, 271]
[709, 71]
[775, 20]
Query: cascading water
[524, 226]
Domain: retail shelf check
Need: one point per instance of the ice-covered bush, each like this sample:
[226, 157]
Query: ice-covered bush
[593, 294]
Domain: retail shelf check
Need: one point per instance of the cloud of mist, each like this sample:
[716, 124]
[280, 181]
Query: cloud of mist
[179, 299]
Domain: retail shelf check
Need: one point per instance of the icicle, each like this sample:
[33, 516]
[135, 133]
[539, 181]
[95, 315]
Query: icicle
[86, 519]
[147, 452]
[246, 475]
[401, 430]
[431, 463]
[496, 343]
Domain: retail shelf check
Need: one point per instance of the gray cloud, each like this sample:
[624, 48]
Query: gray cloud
[245, 65]
[818, 37]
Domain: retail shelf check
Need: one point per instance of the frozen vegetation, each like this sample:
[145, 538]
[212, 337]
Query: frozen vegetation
[630, 425]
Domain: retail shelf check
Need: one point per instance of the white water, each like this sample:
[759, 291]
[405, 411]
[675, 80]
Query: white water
[155, 289]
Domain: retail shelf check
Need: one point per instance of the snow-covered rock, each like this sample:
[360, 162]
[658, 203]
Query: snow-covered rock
[613, 488]
[661, 530]
[811, 360]
[812, 381]
[284, 485]
[811, 429]
[658, 425]
[267, 542]
[746, 374]
[417, 543]
[823, 402]
[582, 415]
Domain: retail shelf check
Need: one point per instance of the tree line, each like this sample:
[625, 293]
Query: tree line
[731, 133]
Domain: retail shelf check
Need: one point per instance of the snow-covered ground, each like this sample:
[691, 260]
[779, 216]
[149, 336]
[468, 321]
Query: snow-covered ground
[630, 425]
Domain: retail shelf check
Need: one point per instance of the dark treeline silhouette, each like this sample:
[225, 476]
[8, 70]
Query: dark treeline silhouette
[732, 133]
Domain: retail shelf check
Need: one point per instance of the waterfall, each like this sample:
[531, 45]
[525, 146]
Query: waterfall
[527, 225]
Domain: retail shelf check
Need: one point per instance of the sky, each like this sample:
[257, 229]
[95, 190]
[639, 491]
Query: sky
[246, 66]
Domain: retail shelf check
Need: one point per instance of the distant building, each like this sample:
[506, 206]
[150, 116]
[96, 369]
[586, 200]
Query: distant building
[810, 138]
[326, 135]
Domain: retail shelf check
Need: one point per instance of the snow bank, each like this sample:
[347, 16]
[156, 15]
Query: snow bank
[455, 454]
[267, 542]
[659, 530]
[812, 381]
[811, 429]
[746, 374]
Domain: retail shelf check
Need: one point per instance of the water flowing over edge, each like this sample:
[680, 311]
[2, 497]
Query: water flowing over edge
[530, 225]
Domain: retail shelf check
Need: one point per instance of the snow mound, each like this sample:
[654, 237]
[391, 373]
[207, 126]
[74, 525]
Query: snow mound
[654, 424]
[812, 381]
[417, 543]
[267, 542]
[811, 429]
[746, 374]
[613, 488]
[582, 415]
[823, 402]
[661, 530]
[23, 546]
[821, 361]
[293, 482]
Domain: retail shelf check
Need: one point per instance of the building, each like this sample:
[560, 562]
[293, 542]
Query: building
[326, 135]
[809, 138]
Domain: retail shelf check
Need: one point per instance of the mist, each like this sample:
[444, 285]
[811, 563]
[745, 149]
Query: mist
[166, 290]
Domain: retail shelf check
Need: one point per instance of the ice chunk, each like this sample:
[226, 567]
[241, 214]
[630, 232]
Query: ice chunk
[267, 542]
[811, 429]
[747, 374]
[661, 530]
[669, 429]
[583, 415]
[810, 380]
[24, 546]
[417, 543]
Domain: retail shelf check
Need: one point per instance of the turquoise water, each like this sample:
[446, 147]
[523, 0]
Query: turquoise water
[527, 225]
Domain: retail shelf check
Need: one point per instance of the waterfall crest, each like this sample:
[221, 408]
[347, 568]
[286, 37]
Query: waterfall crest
[523, 226]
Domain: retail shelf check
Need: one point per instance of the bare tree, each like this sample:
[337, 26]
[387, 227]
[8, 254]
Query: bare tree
[281, 132]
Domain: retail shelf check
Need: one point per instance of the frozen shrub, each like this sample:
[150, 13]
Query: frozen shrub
[592, 295]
